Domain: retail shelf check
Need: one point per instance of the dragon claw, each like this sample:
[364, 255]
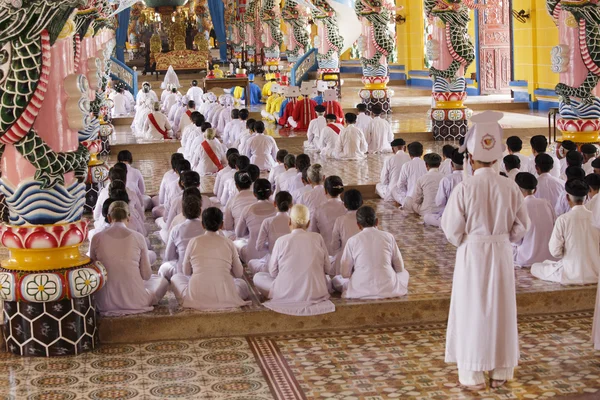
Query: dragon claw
[49, 180]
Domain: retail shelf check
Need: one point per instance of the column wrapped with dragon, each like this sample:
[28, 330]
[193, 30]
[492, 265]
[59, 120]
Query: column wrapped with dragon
[328, 40]
[91, 60]
[451, 51]
[46, 284]
[270, 17]
[377, 46]
[577, 59]
[252, 30]
[297, 39]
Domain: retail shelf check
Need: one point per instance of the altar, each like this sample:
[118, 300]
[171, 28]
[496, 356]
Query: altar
[227, 83]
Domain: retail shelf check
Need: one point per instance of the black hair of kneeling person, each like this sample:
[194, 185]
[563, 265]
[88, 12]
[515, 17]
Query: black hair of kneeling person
[284, 201]
[568, 145]
[334, 186]
[577, 188]
[250, 124]
[432, 160]
[232, 160]
[191, 104]
[458, 158]
[544, 162]
[242, 179]
[175, 157]
[415, 149]
[212, 219]
[244, 114]
[514, 144]
[366, 217]
[191, 203]
[262, 189]
[231, 150]
[302, 162]
[280, 156]
[205, 126]
[235, 113]
[539, 143]
[331, 117]
[575, 173]
[361, 107]
[289, 161]
[350, 118]
[511, 162]
[526, 181]
[593, 181]
[242, 163]
[254, 172]
[352, 199]
[447, 150]
[197, 118]
[117, 174]
[189, 179]
[259, 127]
[125, 156]
[574, 158]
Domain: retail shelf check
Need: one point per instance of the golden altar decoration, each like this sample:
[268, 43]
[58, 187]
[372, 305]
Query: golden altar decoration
[182, 59]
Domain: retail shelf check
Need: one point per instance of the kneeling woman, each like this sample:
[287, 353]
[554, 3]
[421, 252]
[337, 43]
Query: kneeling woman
[131, 288]
[212, 271]
[296, 281]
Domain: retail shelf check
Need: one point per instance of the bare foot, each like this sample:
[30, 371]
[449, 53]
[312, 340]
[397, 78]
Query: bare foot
[472, 388]
[495, 384]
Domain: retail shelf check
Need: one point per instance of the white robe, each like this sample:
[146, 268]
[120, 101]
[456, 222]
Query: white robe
[149, 98]
[195, 93]
[230, 131]
[533, 247]
[235, 207]
[363, 121]
[248, 225]
[151, 133]
[275, 172]
[446, 167]
[351, 144]
[323, 218]
[447, 184]
[379, 136]
[426, 189]
[284, 179]
[390, 175]
[131, 288]
[549, 188]
[374, 266]
[184, 122]
[179, 238]
[262, 151]
[555, 171]
[220, 179]
[410, 172]
[121, 105]
[343, 229]
[313, 134]
[216, 272]
[169, 102]
[329, 141]
[485, 213]
[313, 199]
[577, 244]
[296, 279]
[202, 163]
[271, 229]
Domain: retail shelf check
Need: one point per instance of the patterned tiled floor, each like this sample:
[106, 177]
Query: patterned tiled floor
[557, 361]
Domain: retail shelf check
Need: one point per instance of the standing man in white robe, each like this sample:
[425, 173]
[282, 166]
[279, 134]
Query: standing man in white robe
[533, 248]
[195, 93]
[426, 187]
[410, 172]
[484, 215]
[352, 144]
[390, 173]
[379, 134]
[574, 241]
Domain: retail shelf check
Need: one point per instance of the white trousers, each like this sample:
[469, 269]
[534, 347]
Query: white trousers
[340, 284]
[473, 378]
[158, 211]
[381, 190]
[263, 281]
[432, 219]
[168, 269]
[161, 222]
[548, 271]
[157, 286]
[181, 282]
[259, 264]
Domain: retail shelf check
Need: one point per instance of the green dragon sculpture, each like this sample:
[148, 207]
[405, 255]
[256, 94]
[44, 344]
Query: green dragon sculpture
[379, 15]
[293, 15]
[27, 31]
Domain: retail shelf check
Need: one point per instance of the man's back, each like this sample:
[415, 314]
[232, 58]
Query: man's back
[534, 247]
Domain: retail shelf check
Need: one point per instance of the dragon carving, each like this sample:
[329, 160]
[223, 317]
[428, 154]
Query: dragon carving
[270, 16]
[27, 31]
[587, 17]
[331, 45]
[298, 39]
[250, 27]
[378, 14]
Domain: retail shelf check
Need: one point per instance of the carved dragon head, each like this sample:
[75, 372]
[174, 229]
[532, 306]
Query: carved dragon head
[588, 10]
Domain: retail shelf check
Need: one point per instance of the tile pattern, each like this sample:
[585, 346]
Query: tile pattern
[557, 359]
[204, 369]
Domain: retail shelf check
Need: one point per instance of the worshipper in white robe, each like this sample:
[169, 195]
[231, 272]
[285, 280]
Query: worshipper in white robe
[121, 105]
[230, 132]
[141, 117]
[209, 157]
[325, 214]
[170, 101]
[593, 181]
[173, 111]
[181, 234]
[330, 136]
[169, 176]
[572, 159]
[379, 134]
[271, 229]
[410, 172]
[561, 152]
[157, 126]
[315, 127]
[533, 248]
[596, 166]
[172, 190]
[589, 152]
[514, 145]
[344, 228]
[229, 190]
[315, 197]
[279, 168]
[485, 213]
[296, 282]
[146, 95]
[548, 187]
[562, 204]
[447, 184]
[238, 203]
[390, 173]
[297, 185]
[512, 166]
[195, 93]
[169, 82]
[575, 242]
[427, 186]
[371, 265]
[135, 180]
[130, 100]
[225, 115]
[132, 288]
[237, 131]
[180, 110]
[352, 144]
[285, 178]
[249, 223]
[190, 133]
[212, 277]
[261, 149]
[226, 173]
[186, 118]
[363, 119]
[539, 145]
[446, 165]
